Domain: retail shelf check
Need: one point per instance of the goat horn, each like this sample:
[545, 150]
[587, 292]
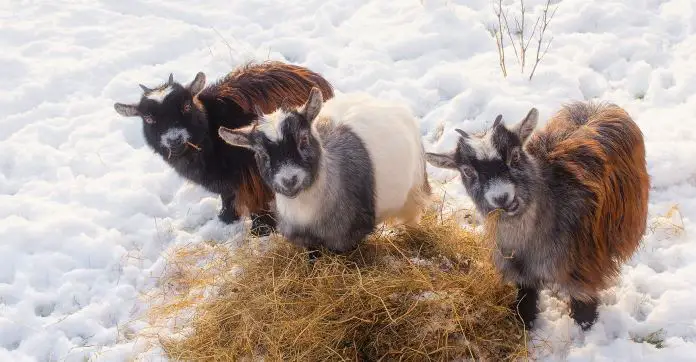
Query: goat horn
[497, 121]
[462, 133]
[171, 78]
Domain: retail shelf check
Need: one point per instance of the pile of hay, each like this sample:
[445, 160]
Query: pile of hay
[429, 293]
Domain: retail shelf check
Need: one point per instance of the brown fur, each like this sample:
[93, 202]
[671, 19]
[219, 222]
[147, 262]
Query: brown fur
[602, 149]
[253, 194]
[270, 85]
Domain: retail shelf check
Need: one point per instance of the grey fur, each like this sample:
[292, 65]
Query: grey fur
[537, 236]
[532, 242]
[333, 198]
[347, 212]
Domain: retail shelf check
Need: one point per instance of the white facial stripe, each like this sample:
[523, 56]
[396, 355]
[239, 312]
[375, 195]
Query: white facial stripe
[497, 189]
[174, 134]
[484, 147]
[271, 123]
[158, 95]
[287, 171]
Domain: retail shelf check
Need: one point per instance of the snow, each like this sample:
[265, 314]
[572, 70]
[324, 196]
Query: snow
[87, 210]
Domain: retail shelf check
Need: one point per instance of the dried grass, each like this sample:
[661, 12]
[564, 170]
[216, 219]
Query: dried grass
[428, 293]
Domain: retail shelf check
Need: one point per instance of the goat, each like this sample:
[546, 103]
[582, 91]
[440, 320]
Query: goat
[571, 200]
[180, 123]
[338, 169]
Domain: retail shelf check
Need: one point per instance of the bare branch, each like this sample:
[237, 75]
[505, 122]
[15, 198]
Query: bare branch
[523, 50]
[545, 20]
[499, 39]
[512, 40]
[520, 36]
[536, 25]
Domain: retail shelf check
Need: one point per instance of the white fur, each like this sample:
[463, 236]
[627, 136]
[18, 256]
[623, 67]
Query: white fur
[173, 134]
[303, 209]
[499, 188]
[392, 138]
[484, 147]
[287, 171]
[270, 125]
[158, 95]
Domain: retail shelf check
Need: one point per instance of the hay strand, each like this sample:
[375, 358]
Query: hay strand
[425, 293]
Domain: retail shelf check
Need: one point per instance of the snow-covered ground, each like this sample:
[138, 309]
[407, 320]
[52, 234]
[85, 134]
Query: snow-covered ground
[86, 209]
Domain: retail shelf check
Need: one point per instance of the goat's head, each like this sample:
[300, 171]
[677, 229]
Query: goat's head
[172, 122]
[287, 149]
[496, 171]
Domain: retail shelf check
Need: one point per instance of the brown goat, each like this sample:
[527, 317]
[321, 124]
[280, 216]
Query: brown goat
[571, 200]
[181, 124]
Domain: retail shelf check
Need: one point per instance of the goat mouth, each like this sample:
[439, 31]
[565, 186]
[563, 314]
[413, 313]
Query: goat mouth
[290, 194]
[180, 150]
[513, 208]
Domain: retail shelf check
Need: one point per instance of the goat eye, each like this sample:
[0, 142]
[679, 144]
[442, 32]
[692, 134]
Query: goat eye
[514, 157]
[468, 172]
[303, 142]
[187, 107]
[148, 119]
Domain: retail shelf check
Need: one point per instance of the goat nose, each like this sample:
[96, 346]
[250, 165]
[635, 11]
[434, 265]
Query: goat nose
[289, 182]
[502, 200]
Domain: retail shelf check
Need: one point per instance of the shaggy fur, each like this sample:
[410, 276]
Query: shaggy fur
[181, 123]
[579, 200]
[338, 173]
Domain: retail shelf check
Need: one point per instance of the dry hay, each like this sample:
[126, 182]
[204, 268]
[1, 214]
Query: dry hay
[428, 293]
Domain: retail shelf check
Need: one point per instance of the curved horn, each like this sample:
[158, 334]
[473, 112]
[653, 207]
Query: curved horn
[171, 78]
[498, 120]
[462, 133]
[144, 88]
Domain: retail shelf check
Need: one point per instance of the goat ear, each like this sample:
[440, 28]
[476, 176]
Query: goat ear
[197, 84]
[126, 110]
[239, 137]
[313, 106]
[144, 88]
[441, 160]
[462, 133]
[525, 127]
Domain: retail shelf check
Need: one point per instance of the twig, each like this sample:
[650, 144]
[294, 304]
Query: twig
[198, 148]
[523, 49]
[499, 38]
[545, 21]
[518, 39]
[512, 40]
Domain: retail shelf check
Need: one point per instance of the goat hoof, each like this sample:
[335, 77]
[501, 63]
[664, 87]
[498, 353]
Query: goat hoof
[262, 225]
[526, 306]
[228, 216]
[313, 255]
[584, 313]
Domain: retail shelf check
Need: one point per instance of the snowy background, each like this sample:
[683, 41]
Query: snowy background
[86, 209]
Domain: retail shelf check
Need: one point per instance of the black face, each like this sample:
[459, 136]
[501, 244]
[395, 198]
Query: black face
[495, 171]
[288, 157]
[172, 124]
